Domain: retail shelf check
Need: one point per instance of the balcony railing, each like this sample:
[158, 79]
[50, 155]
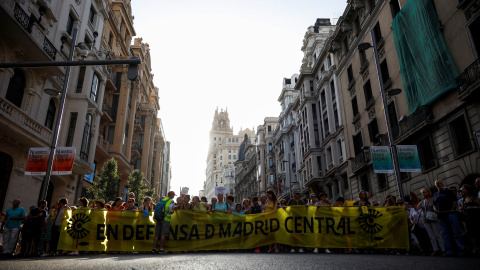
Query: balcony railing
[469, 80]
[359, 161]
[49, 48]
[22, 17]
[17, 116]
[137, 147]
[413, 122]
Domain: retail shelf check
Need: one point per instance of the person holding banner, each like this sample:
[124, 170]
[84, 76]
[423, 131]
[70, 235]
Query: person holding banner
[117, 204]
[256, 208]
[199, 206]
[270, 205]
[313, 200]
[362, 199]
[185, 205]
[62, 206]
[83, 204]
[162, 227]
[221, 205]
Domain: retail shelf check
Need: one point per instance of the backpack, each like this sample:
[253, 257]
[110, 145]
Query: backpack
[160, 209]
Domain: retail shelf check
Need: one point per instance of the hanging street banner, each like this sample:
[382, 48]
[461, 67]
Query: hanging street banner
[63, 161]
[222, 190]
[381, 159]
[37, 161]
[322, 227]
[408, 159]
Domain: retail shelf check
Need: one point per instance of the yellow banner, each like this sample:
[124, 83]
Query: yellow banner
[322, 227]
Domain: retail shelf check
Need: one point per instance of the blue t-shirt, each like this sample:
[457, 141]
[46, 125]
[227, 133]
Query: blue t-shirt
[14, 213]
[239, 213]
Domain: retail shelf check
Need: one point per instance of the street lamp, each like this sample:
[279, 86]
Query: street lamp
[365, 46]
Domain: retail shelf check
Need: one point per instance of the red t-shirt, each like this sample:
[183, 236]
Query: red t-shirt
[121, 208]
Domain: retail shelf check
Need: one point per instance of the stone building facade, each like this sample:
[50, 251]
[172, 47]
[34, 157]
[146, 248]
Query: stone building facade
[266, 163]
[246, 183]
[42, 31]
[222, 154]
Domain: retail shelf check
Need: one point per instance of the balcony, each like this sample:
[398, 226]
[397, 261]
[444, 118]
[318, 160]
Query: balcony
[411, 124]
[19, 118]
[103, 144]
[469, 81]
[359, 161]
[136, 149]
[139, 124]
[107, 112]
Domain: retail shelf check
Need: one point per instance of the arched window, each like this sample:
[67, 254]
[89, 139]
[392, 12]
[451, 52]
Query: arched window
[86, 138]
[50, 114]
[16, 88]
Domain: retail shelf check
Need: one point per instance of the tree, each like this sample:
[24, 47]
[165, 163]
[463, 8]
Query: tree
[108, 182]
[135, 185]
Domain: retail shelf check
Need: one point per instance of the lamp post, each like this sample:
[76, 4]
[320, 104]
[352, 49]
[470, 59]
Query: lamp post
[393, 148]
[53, 145]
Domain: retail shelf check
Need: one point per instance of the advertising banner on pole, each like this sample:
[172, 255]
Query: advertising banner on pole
[63, 161]
[408, 159]
[223, 190]
[381, 159]
[37, 161]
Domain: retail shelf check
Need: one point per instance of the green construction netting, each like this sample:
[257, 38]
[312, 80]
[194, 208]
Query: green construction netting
[426, 66]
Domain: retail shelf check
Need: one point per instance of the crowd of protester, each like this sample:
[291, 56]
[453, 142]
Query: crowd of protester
[442, 223]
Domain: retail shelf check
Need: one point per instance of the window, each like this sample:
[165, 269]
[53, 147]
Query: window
[214, 145]
[118, 81]
[384, 71]
[392, 113]
[229, 156]
[332, 90]
[214, 138]
[326, 127]
[350, 74]
[357, 144]
[234, 150]
[270, 162]
[324, 100]
[70, 22]
[354, 106]
[394, 8]
[214, 155]
[236, 140]
[229, 139]
[335, 116]
[94, 89]
[367, 90]
[345, 182]
[345, 44]
[85, 148]
[91, 15]
[110, 37]
[221, 157]
[382, 181]
[16, 88]
[426, 153]
[358, 26]
[71, 129]
[229, 150]
[339, 148]
[270, 146]
[460, 136]
[377, 34]
[269, 129]
[364, 183]
[125, 37]
[81, 77]
[234, 157]
[111, 134]
[271, 179]
[363, 57]
[373, 130]
[311, 85]
[50, 114]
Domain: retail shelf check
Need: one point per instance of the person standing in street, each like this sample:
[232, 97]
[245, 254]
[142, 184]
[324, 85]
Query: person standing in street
[162, 228]
[11, 227]
[444, 204]
[36, 219]
[57, 223]
[296, 201]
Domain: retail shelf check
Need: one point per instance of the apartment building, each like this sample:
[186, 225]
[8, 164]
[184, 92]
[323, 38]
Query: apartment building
[438, 116]
[286, 139]
[246, 183]
[42, 31]
[222, 153]
[266, 164]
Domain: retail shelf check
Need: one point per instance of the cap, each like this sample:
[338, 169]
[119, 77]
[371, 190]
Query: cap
[101, 201]
[171, 193]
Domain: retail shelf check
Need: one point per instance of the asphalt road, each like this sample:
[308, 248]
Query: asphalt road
[250, 261]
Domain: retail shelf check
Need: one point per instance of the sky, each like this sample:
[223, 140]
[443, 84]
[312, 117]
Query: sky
[221, 53]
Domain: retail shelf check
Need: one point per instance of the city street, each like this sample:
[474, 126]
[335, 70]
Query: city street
[242, 261]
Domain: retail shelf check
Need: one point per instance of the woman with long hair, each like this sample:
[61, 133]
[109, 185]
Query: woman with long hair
[430, 221]
[117, 204]
[362, 199]
[185, 205]
[199, 205]
[83, 204]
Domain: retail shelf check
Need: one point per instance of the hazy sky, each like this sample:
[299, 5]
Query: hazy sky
[221, 53]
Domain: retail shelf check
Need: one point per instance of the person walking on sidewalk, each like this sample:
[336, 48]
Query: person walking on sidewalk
[11, 227]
